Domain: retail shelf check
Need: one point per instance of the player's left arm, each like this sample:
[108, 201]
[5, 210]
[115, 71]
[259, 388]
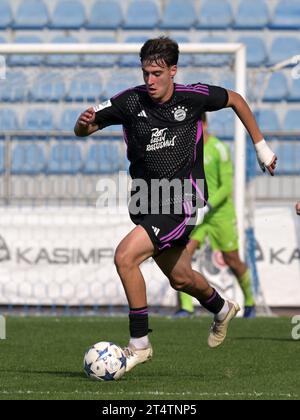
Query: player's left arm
[266, 157]
[298, 208]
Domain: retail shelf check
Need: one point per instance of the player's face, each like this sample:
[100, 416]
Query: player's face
[159, 80]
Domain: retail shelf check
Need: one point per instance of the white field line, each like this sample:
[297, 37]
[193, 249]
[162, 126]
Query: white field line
[253, 394]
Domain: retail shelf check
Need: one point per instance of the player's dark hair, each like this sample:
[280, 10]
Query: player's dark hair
[159, 51]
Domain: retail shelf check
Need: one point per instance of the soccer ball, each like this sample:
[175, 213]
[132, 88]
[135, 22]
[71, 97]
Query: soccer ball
[104, 361]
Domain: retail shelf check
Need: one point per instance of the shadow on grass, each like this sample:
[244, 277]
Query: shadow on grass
[79, 375]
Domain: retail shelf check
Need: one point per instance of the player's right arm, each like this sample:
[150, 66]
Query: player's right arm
[110, 112]
[298, 208]
[86, 125]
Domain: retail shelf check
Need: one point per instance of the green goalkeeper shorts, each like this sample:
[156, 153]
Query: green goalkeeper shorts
[222, 234]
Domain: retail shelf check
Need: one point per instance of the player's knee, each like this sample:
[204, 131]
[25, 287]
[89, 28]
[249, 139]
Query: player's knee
[123, 260]
[232, 261]
[180, 281]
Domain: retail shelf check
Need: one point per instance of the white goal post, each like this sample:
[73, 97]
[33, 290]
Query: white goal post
[236, 49]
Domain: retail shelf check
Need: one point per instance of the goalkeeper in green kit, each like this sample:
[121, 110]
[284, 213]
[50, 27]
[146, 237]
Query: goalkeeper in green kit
[219, 223]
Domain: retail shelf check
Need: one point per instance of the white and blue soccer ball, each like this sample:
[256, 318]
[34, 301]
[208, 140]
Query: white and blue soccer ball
[104, 361]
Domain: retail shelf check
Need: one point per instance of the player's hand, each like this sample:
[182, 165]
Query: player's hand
[87, 117]
[266, 158]
[298, 208]
[271, 168]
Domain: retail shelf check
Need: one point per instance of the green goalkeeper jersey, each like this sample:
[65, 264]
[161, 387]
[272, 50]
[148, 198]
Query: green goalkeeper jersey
[219, 175]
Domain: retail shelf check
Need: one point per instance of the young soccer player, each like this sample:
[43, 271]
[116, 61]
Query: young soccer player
[219, 223]
[163, 131]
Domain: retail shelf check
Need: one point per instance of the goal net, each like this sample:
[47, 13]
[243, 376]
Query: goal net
[57, 237]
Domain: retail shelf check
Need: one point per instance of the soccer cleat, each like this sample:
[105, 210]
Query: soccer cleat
[249, 312]
[135, 356]
[219, 328]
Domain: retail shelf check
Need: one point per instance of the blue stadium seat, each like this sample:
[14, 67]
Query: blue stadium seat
[2, 158]
[142, 14]
[8, 120]
[68, 14]
[48, 87]
[2, 61]
[125, 164]
[256, 50]
[288, 154]
[69, 60]
[118, 83]
[132, 60]
[85, 87]
[101, 60]
[221, 124]
[105, 14]
[252, 167]
[214, 60]
[38, 119]
[69, 118]
[292, 121]
[277, 89]
[252, 14]
[294, 95]
[196, 76]
[5, 14]
[64, 159]
[227, 81]
[102, 158]
[179, 15]
[287, 15]
[26, 60]
[31, 14]
[256, 85]
[113, 131]
[267, 120]
[14, 87]
[215, 14]
[283, 48]
[28, 159]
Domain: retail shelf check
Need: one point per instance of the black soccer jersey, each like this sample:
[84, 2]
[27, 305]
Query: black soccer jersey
[164, 141]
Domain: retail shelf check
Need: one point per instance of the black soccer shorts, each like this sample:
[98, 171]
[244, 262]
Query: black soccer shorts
[168, 230]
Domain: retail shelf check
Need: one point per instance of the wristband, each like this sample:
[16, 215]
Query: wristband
[264, 153]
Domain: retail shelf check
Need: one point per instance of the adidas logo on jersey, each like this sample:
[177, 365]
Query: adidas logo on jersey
[142, 114]
[156, 230]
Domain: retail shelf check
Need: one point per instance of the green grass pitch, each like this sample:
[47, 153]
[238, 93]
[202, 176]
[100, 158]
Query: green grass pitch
[42, 359]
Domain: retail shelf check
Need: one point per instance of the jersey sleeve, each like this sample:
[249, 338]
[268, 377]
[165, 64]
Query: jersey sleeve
[111, 112]
[217, 98]
[225, 176]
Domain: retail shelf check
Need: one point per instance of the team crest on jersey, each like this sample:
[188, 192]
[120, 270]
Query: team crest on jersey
[179, 113]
